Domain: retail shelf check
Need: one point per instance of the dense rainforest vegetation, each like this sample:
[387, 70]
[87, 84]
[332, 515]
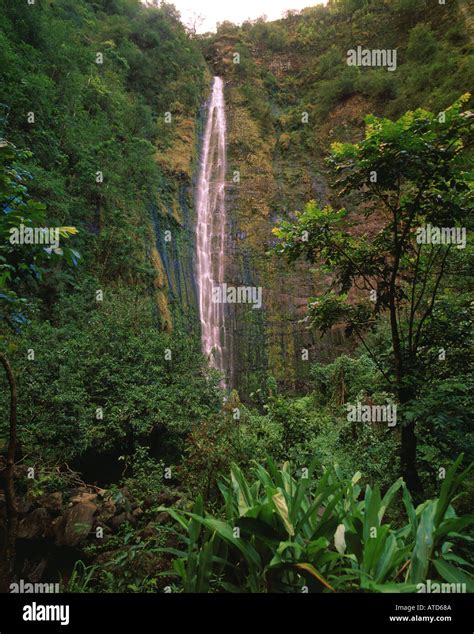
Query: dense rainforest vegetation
[133, 468]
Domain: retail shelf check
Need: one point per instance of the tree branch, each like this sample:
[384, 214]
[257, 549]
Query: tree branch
[429, 310]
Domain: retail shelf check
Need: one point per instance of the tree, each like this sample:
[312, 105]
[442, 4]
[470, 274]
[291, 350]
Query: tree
[18, 263]
[194, 23]
[410, 177]
[21, 262]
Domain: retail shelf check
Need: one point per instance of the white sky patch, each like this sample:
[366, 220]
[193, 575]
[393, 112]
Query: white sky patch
[237, 11]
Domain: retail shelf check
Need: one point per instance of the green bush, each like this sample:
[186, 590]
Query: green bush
[280, 533]
[105, 378]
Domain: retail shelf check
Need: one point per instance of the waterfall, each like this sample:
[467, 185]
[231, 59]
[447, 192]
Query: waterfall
[210, 228]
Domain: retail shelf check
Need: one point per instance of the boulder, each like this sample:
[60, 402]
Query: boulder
[84, 496]
[148, 531]
[24, 506]
[121, 518]
[75, 524]
[162, 518]
[168, 497]
[107, 510]
[35, 525]
[164, 498]
[118, 520]
[52, 502]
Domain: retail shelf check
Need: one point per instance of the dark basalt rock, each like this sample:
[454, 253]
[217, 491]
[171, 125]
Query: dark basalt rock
[52, 502]
[36, 524]
[75, 524]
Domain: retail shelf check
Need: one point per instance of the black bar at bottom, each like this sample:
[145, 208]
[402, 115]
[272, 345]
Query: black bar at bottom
[239, 613]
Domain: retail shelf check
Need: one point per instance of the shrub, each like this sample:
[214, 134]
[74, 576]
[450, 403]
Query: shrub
[279, 532]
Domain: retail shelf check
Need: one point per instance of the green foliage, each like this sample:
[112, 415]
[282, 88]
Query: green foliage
[22, 265]
[194, 566]
[143, 474]
[299, 422]
[101, 384]
[128, 564]
[279, 532]
[298, 429]
[407, 175]
[81, 579]
[91, 117]
[422, 44]
[345, 379]
[210, 448]
[317, 40]
[116, 361]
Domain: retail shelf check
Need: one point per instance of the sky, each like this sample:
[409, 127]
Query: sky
[236, 11]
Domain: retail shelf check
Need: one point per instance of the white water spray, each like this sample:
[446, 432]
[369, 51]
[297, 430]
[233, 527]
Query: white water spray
[210, 227]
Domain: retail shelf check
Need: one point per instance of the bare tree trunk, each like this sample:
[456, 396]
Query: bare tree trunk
[408, 460]
[408, 450]
[7, 548]
[408, 435]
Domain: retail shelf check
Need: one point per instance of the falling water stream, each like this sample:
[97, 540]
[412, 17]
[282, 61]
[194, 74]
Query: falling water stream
[210, 228]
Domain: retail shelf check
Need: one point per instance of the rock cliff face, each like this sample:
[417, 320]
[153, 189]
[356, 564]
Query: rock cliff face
[289, 94]
[267, 180]
[270, 187]
[172, 231]
[171, 249]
